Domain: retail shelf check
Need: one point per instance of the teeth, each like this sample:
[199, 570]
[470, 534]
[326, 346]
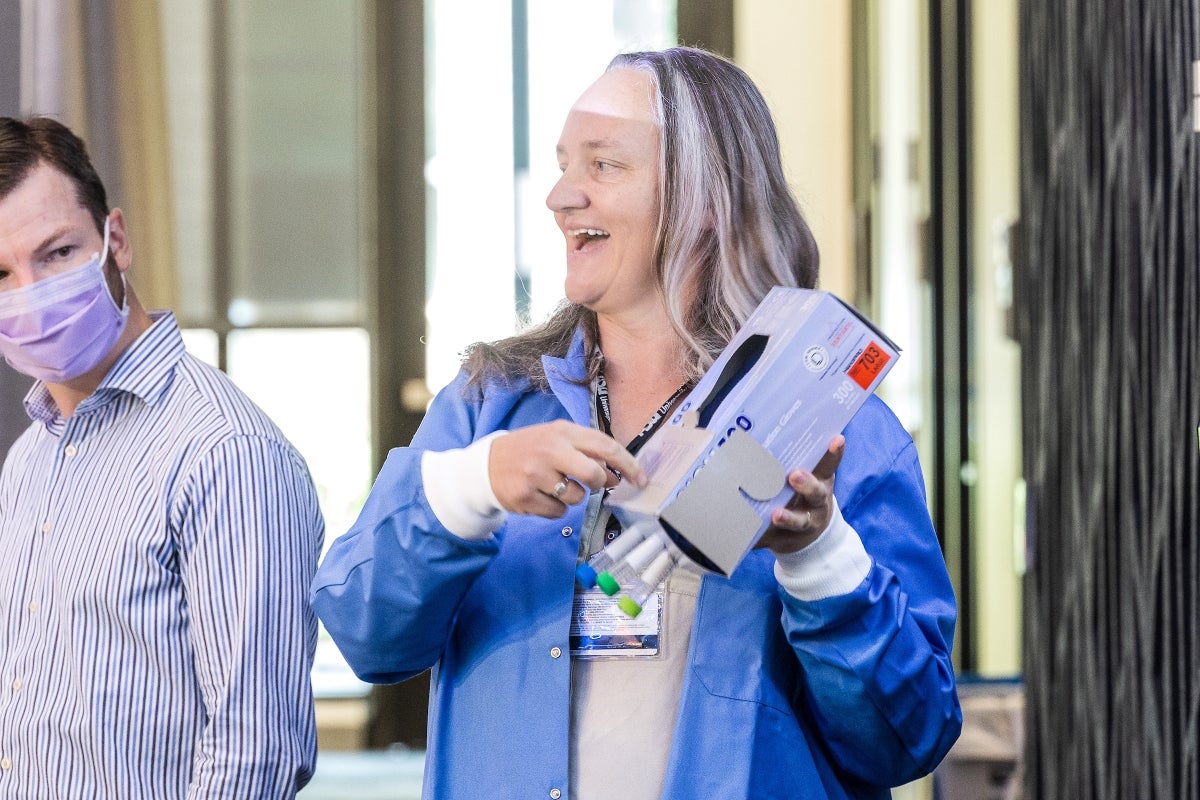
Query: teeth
[588, 232]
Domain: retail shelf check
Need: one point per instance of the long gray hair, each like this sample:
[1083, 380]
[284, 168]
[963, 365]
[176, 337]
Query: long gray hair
[728, 228]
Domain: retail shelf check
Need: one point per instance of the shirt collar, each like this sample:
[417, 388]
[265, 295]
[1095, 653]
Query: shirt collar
[144, 370]
[566, 377]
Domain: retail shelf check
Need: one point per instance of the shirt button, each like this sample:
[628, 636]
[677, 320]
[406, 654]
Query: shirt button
[33, 607]
[17, 685]
[46, 526]
[555, 794]
[5, 764]
[70, 450]
[567, 531]
[555, 652]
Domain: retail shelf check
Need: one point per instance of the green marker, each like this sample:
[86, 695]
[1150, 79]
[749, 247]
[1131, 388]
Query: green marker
[646, 584]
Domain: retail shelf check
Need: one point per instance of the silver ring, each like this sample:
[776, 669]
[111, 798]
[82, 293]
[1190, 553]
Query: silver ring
[559, 488]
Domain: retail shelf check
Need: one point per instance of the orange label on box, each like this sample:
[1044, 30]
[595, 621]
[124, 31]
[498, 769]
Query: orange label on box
[868, 366]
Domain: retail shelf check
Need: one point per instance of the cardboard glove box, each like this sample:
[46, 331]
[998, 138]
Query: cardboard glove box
[787, 383]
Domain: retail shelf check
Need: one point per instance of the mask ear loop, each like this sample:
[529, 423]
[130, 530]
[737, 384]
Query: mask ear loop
[104, 249]
[123, 308]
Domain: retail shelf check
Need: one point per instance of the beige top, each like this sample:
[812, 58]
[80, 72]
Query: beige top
[623, 708]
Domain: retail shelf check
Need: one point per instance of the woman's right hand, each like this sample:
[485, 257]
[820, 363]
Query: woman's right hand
[526, 466]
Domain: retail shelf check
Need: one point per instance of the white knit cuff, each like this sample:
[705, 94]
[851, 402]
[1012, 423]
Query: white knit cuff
[459, 490]
[836, 563]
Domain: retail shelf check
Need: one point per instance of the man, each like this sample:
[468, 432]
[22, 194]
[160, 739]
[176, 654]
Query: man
[159, 532]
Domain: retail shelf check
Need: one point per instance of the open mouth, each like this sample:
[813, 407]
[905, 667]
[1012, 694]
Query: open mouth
[582, 237]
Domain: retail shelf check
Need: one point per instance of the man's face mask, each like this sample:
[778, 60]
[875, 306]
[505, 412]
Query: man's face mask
[62, 327]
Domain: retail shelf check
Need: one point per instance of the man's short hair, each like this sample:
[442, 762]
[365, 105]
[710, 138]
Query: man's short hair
[41, 140]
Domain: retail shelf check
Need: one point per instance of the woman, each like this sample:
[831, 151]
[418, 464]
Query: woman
[820, 668]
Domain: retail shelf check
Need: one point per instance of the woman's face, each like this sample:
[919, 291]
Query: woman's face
[606, 202]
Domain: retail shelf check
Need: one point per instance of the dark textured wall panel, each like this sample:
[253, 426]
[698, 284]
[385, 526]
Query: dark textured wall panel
[1110, 332]
[10, 57]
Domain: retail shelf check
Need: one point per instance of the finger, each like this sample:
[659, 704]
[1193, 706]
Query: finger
[620, 464]
[550, 501]
[560, 488]
[568, 491]
[798, 520]
[613, 477]
[829, 462]
[587, 472]
[809, 493]
[544, 505]
[606, 450]
[537, 502]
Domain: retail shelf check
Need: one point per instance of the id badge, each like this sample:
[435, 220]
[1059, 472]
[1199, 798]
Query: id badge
[599, 629]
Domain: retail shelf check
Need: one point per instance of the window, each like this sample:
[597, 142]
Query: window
[268, 107]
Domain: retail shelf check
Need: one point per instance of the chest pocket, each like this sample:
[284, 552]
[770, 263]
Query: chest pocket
[739, 650]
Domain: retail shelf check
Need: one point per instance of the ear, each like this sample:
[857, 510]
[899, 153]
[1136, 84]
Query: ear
[118, 240]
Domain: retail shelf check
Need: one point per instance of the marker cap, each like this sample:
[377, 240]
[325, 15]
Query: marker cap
[608, 584]
[627, 605]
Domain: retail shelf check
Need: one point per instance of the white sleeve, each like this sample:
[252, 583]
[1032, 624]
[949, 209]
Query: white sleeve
[459, 490]
[835, 563]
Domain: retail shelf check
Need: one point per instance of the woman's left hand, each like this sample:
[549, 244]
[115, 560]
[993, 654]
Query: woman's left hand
[807, 514]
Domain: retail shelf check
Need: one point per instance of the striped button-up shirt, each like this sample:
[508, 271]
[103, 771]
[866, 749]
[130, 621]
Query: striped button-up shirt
[156, 550]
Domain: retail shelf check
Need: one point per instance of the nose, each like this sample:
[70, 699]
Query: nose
[18, 277]
[566, 194]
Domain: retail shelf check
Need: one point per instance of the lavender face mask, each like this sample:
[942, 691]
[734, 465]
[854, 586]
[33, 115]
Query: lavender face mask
[63, 326]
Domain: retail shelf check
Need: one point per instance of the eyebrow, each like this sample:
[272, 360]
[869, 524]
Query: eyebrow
[594, 144]
[59, 233]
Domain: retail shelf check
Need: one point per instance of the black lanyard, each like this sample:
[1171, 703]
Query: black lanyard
[656, 419]
[612, 528]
